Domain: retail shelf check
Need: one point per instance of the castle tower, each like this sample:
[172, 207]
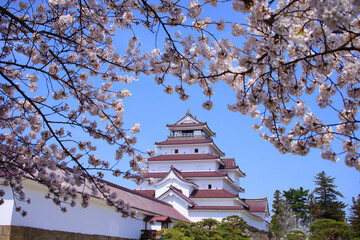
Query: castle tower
[193, 174]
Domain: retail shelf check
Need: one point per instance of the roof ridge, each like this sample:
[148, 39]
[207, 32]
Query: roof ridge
[136, 193]
[178, 191]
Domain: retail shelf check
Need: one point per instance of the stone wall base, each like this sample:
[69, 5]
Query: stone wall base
[27, 233]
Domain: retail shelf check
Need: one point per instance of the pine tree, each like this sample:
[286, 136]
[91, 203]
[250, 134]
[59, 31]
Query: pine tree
[325, 204]
[297, 200]
[283, 220]
[354, 219]
[277, 203]
[329, 229]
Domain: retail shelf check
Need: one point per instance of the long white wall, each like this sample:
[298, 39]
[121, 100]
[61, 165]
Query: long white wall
[98, 218]
[6, 210]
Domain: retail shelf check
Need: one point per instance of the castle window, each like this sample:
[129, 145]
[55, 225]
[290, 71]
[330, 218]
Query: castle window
[209, 186]
[176, 150]
[196, 150]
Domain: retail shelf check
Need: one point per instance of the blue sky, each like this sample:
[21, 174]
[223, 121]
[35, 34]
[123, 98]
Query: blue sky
[266, 169]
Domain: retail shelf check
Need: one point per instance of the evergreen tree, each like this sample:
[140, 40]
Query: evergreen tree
[324, 202]
[295, 235]
[230, 228]
[329, 229]
[355, 217]
[277, 203]
[283, 220]
[297, 200]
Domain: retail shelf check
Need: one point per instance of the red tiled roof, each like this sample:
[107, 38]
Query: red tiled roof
[203, 174]
[184, 141]
[218, 207]
[212, 193]
[186, 174]
[186, 124]
[155, 174]
[179, 175]
[229, 164]
[157, 218]
[149, 193]
[257, 205]
[145, 203]
[172, 157]
[179, 192]
[194, 123]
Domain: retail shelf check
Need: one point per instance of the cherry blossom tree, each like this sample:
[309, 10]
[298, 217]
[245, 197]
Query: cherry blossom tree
[292, 64]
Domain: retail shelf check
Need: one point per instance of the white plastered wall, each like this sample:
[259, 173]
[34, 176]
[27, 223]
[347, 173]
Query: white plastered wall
[172, 180]
[200, 165]
[178, 204]
[7, 208]
[97, 218]
[215, 201]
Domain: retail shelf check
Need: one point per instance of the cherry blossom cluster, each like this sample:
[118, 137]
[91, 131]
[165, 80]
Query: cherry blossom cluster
[62, 73]
[280, 58]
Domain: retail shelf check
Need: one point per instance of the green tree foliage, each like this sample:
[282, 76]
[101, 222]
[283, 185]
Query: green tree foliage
[230, 228]
[182, 230]
[295, 235]
[297, 200]
[283, 220]
[324, 202]
[278, 202]
[276, 228]
[329, 229]
[208, 223]
[354, 218]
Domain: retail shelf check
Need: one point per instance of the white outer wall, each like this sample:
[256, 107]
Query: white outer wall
[215, 202]
[193, 165]
[7, 208]
[188, 149]
[179, 205]
[233, 176]
[185, 149]
[154, 226]
[162, 188]
[98, 218]
[216, 183]
[196, 216]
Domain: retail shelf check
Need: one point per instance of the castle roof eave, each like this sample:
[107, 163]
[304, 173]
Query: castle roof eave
[178, 174]
[190, 142]
[179, 194]
[183, 157]
[195, 124]
[192, 126]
